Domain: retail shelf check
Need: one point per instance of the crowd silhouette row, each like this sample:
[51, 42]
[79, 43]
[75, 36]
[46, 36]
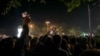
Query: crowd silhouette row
[46, 45]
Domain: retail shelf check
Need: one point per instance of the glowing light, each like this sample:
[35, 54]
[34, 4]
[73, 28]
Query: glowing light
[31, 26]
[51, 32]
[47, 22]
[63, 33]
[84, 34]
[4, 36]
[19, 31]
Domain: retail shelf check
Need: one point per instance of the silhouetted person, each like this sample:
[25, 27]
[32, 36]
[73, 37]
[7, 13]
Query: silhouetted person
[83, 45]
[92, 52]
[44, 47]
[23, 41]
[64, 45]
[6, 46]
[57, 51]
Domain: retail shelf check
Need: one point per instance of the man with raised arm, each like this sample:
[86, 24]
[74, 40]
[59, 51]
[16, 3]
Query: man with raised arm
[24, 39]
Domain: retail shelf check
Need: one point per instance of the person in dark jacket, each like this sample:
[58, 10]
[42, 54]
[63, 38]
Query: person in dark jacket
[22, 43]
[91, 52]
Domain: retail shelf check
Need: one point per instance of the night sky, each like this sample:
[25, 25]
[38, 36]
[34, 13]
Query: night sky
[53, 11]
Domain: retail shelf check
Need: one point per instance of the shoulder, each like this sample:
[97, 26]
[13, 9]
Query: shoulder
[63, 52]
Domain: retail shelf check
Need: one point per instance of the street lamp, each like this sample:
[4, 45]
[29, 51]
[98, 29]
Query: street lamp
[47, 25]
[89, 16]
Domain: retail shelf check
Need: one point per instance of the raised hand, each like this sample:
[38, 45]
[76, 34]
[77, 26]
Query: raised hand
[26, 18]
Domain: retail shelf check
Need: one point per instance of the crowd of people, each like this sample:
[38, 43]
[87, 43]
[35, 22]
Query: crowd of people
[55, 45]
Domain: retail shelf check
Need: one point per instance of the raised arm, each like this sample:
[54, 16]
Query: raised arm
[26, 20]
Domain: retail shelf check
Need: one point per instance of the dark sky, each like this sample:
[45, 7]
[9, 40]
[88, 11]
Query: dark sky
[53, 11]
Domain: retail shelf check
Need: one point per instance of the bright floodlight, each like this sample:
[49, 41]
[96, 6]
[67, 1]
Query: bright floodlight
[19, 31]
